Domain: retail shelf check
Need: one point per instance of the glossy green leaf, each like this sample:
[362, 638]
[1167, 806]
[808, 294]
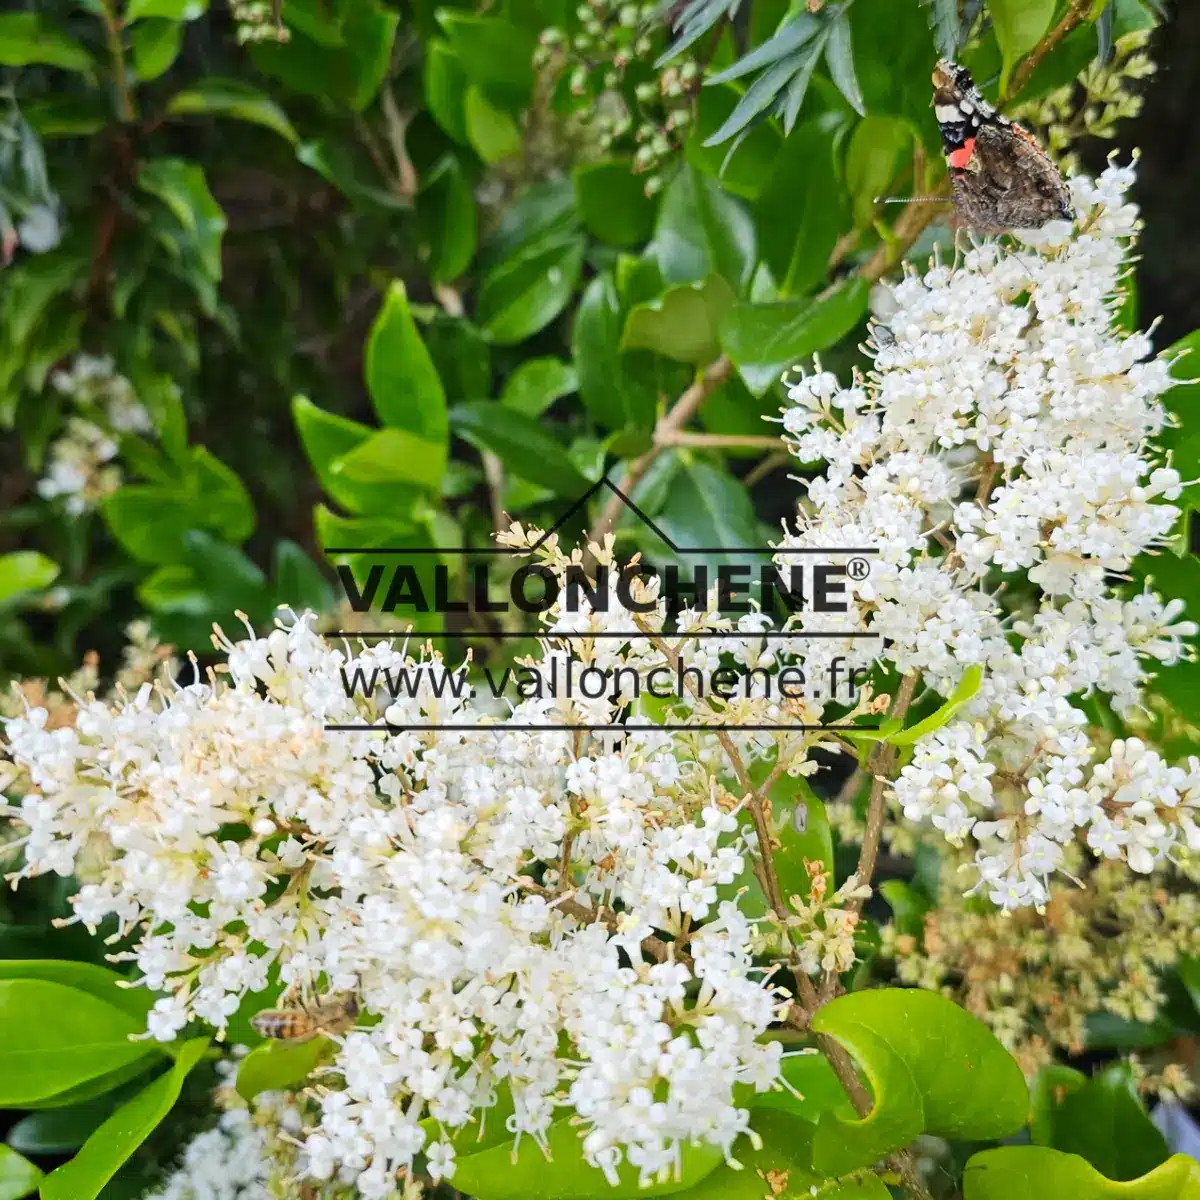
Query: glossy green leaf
[784, 1158]
[618, 396]
[57, 1130]
[943, 19]
[498, 1173]
[1103, 1120]
[537, 383]
[702, 231]
[276, 1066]
[446, 89]
[100, 982]
[932, 1067]
[743, 167]
[963, 693]
[394, 456]
[839, 54]
[877, 148]
[1037, 1172]
[102, 1155]
[24, 571]
[18, 1176]
[39, 1058]
[683, 323]
[30, 37]
[765, 340]
[154, 46]
[172, 10]
[327, 438]
[446, 221]
[149, 522]
[814, 1089]
[1019, 26]
[542, 215]
[612, 202]
[519, 297]
[401, 378]
[349, 170]
[520, 443]
[181, 186]
[491, 130]
[232, 98]
[31, 286]
[801, 211]
[495, 54]
[297, 581]
[221, 502]
[907, 904]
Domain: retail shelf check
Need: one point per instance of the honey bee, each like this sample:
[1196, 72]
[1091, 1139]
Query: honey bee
[332, 1015]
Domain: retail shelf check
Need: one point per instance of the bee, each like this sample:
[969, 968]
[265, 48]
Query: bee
[331, 1015]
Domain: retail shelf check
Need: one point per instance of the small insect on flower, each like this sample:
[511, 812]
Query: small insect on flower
[298, 1024]
[1002, 178]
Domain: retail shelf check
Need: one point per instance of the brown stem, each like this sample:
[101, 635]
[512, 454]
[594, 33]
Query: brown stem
[718, 440]
[771, 463]
[116, 51]
[682, 411]
[1073, 17]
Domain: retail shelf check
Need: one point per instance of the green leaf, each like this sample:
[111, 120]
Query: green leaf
[57, 1130]
[1051, 1086]
[30, 288]
[817, 1090]
[932, 1068]
[537, 383]
[24, 571]
[181, 186]
[801, 211]
[18, 1176]
[542, 215]
[395, 456]
[1103, 1121]
[744, 168]
[784, 1156]
[111, 1145]
[39, 1058]
[618, 396]
[328, 438]
[502, 1173]
[446, 89]
[520, 443]
[446, 221]
[764, 340]
[173, 10]
[221, 503]
[1019, 26]
[520, 297]
[92, 978]
[276, 1066]
[943, 21]
[612, 202]
[963, 693]
[401, 378]
[907, 904]
[155, 45]
[702, 231]
[298, 581]
[839, 54]
[28, 37]
[876, 150]
[232, 98]
[231, 581]
[495, 54]
[493, 134]
[683, 323]
[343, 165]
[1037, 1172]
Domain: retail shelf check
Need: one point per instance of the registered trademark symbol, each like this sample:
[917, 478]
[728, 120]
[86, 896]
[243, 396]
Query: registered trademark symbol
[858, 569]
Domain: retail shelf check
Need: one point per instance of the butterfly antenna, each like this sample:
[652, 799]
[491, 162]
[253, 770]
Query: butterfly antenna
[913, 200]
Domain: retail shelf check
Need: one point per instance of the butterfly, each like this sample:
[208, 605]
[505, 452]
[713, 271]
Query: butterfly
[1002, 178]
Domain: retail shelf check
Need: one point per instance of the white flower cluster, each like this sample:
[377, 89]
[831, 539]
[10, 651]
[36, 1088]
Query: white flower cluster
[231, 1161]
[534, 919]
[81, 467]
[1000, 457]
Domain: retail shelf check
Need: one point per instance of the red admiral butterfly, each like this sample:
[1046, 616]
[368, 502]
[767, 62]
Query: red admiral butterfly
[1002, 178]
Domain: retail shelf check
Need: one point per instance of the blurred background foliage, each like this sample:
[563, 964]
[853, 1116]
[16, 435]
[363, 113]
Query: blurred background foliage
[372, 273]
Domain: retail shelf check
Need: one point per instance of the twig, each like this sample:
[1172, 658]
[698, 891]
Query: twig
[397, 128]
[682, 411]
[1075, 15]
[116, 51]
[771, 463]
[718, 441]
